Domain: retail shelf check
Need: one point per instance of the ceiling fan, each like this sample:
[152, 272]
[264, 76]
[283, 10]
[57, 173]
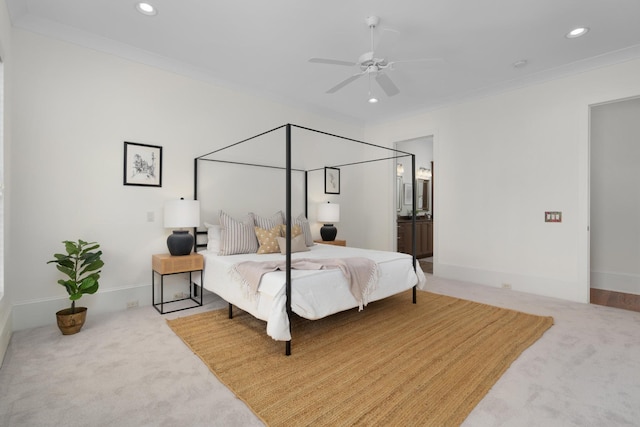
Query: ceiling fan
[368, 64]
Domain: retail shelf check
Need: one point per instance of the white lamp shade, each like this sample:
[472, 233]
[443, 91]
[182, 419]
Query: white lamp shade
[181, 213]
[329, 213]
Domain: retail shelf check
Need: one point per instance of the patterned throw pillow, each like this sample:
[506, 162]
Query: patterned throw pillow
[237, 237]
[268, 240]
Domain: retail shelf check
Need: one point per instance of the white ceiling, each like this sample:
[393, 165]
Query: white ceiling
[263, 47]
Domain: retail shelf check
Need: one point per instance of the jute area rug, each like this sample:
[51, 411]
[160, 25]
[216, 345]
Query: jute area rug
[394, 363]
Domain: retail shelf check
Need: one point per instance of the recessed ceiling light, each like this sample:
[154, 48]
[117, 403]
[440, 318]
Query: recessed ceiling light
[373, 100]
[146, 9]
[577, 32]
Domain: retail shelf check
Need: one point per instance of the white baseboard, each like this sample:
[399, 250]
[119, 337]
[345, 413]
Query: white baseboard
[34, 313]
[5, 326]
[617, 282]
[531, 284]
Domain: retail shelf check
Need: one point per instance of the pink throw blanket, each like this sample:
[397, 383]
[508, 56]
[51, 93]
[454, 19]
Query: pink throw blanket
[361, 273]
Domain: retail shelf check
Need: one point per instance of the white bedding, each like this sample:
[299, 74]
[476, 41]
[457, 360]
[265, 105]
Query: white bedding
[314, 293]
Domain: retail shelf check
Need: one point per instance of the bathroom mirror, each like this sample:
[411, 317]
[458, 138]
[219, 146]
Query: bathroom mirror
[423, 193]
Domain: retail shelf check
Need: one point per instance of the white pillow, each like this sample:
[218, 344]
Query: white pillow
[297, 244]
[213, 235]
[302, 221]
[237, 236]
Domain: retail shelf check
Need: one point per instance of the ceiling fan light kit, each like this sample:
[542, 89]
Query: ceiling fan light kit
[577, 32]
[146, 9]
[370, 65]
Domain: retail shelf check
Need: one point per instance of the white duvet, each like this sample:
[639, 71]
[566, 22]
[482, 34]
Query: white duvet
[314, 293]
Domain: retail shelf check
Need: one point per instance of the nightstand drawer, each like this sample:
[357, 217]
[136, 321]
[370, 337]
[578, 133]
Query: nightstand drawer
[168, 264]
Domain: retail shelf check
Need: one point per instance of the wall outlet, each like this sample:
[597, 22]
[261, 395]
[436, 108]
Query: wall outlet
[506, 286]
[132, 304]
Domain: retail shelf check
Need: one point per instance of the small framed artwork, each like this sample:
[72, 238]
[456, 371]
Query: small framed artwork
[331, 181]
[142, 164]
[408, 194]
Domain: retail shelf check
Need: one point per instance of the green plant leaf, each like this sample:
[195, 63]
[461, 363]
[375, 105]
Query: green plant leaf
[87, 283]
[93, 266]
[92, 290]
[69, 271]
[89, 257]
[71, 247]
[95, 246]
[66, 261]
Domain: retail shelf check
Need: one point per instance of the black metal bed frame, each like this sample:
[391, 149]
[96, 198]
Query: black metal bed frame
[397, 154]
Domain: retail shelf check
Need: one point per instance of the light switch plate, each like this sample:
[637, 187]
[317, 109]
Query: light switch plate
[553, 216]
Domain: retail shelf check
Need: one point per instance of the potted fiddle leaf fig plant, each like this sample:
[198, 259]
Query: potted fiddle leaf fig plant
[81, 264]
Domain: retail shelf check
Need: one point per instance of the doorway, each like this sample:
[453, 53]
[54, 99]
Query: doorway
[422, 187]
[615, 204]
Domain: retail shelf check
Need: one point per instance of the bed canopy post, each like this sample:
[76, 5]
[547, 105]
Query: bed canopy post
[195, 197]
[413, 218]
[306, 194]
[288, 233]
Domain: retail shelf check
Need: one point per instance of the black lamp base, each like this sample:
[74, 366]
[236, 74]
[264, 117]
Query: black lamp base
[180, 243]
[328, 232]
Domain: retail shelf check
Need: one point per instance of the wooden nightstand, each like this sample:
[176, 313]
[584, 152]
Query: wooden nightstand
[165, 264]
[333, 242]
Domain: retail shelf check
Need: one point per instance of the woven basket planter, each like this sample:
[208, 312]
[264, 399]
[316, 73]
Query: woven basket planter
[69, 323]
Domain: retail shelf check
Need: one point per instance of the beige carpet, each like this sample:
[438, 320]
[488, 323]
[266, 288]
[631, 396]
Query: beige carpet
[393, 363]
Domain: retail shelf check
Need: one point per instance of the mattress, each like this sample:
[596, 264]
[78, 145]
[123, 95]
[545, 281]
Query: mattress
[314, 293]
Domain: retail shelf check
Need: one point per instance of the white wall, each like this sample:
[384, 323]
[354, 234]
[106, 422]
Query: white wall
[73, 108]
[5, 54]
[503, 161]
[615, 196]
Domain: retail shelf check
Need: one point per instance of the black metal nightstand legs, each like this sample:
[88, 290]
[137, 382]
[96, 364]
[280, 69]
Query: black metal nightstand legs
[193, 293]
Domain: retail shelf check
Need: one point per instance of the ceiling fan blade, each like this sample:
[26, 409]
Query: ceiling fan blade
[423, 62]
[332, 62]
[387, 85]
[344, 83]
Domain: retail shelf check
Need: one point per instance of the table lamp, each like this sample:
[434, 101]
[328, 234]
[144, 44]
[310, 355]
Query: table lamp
[181, 214]
[328, 213]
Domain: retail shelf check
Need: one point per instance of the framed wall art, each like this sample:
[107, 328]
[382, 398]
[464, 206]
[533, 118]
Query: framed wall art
[142, 164]
[331, 180]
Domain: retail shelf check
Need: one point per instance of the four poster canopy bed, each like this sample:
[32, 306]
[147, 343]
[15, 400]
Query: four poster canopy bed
[269, 265]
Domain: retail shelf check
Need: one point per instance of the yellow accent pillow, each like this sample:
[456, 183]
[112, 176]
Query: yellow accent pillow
[268, 240]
